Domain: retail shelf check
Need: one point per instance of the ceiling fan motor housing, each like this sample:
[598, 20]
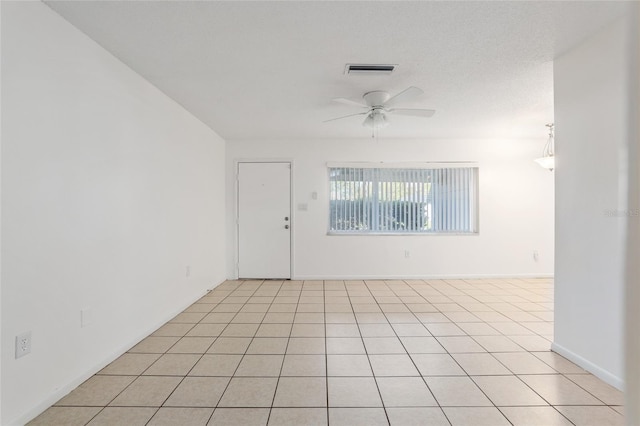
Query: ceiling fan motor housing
[376, 98]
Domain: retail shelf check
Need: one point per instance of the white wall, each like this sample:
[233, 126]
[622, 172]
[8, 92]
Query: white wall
[632, 295]
[591, 115]
[109, 189]
[516, 210]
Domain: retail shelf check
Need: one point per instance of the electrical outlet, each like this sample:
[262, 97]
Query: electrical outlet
[536, 255]
[23, 344]
[187, 270]
[407, 254]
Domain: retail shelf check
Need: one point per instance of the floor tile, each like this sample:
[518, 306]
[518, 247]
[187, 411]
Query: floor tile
[371, 318]
[173, 329]
[307, 330]
[460, 344]
[405, 392]
[188, 318]
[498, 344]
[218, 318]
[249, 392]
[130, 364]
[216, 365]
[336, 308]
[422, 345]
[248, 318]
[172, 365]
[309, 318]
[376, 330]
[68, 416]
[357, 417]
[592, 416]
[192, 345]
[171, 416]
[240, 330]
[523, 363]
[345, 345]
[558, 363]
[239, 416]
[260, 366]
[266, 346]
[532, 343]
[339, 318]
[147, 391]
[478, 329]
[383, 345]
[280, 308]
[306, 345]
[475, 416]
[130, 416]
[198, 392]
[507, 391]
[154, 345]
[342, 330]
[304, 365]
[431, 317]
[298, 416]
[206, 330]
[534, 416]
[301, 392]
[417, 416]
[274, 330]
[457, 391]
[484, 328]
[410, 330]
[393, 365]
[366, 307]
[353, 392]
[348, 365]
[97, 391]
[437, 365]
[480, 364]
[558, 390]
[596, 387]
[445, 329]
[256, 307]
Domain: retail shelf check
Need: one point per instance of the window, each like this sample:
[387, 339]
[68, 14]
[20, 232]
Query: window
[402, 200]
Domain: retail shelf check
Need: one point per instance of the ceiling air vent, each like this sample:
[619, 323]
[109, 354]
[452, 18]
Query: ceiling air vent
[369, 68]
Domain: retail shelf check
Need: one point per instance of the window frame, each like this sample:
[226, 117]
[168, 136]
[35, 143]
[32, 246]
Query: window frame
[474, 202]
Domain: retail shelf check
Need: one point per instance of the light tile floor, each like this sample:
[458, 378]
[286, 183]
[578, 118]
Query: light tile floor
[436, 352]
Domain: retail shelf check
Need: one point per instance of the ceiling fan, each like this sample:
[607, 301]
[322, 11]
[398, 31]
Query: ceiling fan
[379, 103]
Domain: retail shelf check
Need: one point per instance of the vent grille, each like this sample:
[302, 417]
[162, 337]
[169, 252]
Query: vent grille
[369, 68]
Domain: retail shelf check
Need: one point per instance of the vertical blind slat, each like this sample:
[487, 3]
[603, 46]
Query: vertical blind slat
[403, 200]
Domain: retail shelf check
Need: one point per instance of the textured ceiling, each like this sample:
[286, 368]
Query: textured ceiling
[268, 70]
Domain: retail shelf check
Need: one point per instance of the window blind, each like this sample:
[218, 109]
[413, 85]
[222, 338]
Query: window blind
[402, 200]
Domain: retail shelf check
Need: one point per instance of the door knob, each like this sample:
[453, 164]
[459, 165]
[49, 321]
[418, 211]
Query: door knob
[286, 227]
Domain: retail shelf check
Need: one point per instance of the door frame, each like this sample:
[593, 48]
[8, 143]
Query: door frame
[236, 213]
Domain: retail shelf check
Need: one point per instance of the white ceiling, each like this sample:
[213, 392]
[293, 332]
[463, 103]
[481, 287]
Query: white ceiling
[268, 70]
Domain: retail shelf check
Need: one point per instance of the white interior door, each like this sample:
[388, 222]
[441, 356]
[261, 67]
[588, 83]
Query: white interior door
[264, 220]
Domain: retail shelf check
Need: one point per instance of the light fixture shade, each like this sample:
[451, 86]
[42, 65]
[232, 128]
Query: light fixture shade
[376, 120]
[546, 162]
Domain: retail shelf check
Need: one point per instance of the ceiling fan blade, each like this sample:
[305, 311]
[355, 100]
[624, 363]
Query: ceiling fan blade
[346, 116]
[415, 112]
[349, 102]
[405, 95]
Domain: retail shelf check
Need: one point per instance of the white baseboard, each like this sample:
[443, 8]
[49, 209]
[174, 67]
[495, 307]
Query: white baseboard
[418, 277]
[78, 380]
[592, 368]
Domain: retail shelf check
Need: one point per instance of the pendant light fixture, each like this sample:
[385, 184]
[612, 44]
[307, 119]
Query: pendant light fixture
[547, 160]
